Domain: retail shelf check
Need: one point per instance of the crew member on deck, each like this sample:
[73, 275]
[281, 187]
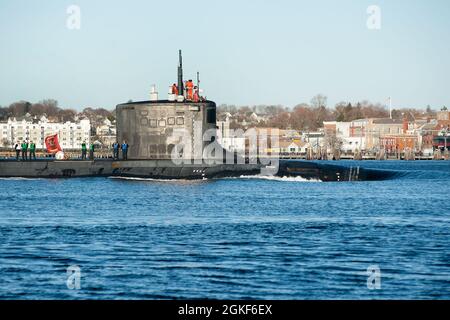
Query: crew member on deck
[175, 89]
[17, 148]
[32, 150]
[91, 151]
[196, 95]
[24, 150]
[190, 89]
[83, 150]
[116, 147]
[125, 150]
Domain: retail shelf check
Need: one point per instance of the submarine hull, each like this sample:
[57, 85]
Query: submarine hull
[54, 169]
[328, 172]
[155, 169]
[166, 169]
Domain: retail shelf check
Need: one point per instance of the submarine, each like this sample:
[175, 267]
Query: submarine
[176, 139]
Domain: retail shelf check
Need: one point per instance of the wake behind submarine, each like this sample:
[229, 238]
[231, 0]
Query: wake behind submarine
[155, 130]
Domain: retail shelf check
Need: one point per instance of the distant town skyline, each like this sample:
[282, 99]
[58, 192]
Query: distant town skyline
[247, 53]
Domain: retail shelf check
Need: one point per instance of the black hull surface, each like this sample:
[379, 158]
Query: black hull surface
[166, 169]
[327, 172]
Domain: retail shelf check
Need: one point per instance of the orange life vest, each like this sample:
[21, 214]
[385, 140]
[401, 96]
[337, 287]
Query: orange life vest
[196, 97]
[175, 89]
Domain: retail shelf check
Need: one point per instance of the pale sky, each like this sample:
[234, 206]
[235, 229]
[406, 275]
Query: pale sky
[248, 52]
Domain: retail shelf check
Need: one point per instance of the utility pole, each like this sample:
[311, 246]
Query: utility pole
[390, 107]
[444, 133]
[360, 136]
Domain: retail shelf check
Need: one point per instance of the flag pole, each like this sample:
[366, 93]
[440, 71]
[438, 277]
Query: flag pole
[390, 107]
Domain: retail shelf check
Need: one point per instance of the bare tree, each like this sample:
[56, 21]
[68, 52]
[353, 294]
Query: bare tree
[333, 142]
[5, 143]
[319, 101]
[19, 109]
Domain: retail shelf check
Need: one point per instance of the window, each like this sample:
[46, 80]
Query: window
[153, 123]
[171, 121]
[144, 122]
[180, 121]
[162, 123]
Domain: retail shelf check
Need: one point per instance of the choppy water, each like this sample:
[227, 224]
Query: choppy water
[228, 239]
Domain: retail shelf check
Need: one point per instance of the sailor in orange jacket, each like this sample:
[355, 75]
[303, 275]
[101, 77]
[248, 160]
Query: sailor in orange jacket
[196, 97]
[175, 89]
[190, 89]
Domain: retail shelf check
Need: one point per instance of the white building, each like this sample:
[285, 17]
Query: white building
[291, 147]
[70, 134]
[351, 134]
[106, 129]
[315, 139]
[107, 132]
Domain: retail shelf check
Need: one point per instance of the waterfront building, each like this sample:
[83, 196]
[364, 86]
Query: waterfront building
[289, 147]
[399, 143]
[443, 117]
[424, 130]
[315, 139]
[351, 136]
[106, 132]
[377, 128]
[71, 134]
[383, 133]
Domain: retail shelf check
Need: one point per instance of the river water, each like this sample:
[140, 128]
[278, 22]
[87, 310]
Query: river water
[246, 238]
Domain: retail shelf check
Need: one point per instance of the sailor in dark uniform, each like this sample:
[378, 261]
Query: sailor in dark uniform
[116, 147]
[17, 148]
[125, 150]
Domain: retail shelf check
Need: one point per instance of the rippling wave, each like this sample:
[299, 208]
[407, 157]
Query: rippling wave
[158, 180]
[275, 178]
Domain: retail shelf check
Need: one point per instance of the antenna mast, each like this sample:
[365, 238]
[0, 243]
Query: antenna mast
[180, 74]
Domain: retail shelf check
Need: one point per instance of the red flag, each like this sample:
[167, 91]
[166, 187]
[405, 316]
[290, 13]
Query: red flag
[52, 144]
